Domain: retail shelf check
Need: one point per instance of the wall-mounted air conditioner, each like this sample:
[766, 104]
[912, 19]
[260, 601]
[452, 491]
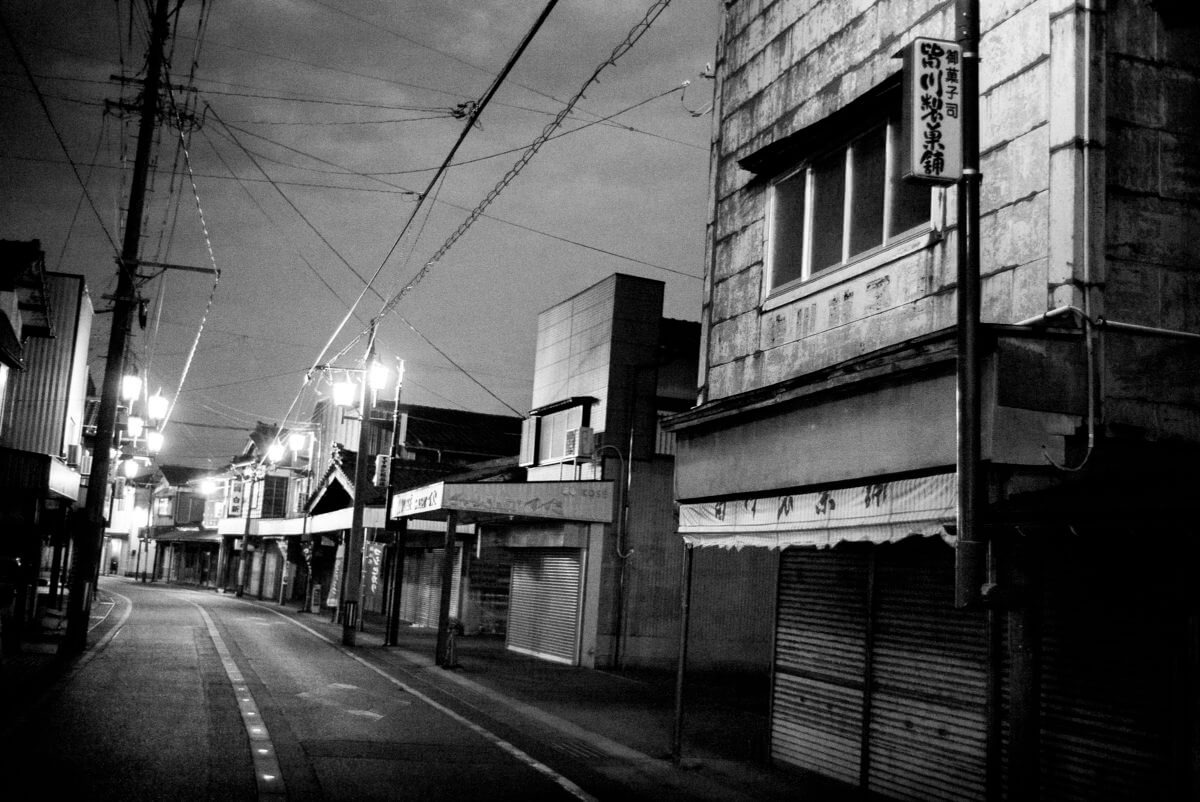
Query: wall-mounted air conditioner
[579, 443]
[73, 454]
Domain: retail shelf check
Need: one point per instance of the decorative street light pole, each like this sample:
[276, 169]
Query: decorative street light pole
[352, 598]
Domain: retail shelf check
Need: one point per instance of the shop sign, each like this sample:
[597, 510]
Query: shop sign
[933, 111]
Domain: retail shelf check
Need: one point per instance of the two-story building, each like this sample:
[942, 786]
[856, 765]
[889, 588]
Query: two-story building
[826, 432]
[45, 324]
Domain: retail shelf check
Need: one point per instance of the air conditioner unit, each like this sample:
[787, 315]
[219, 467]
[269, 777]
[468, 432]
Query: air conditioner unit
[579, 443]
[73, 453]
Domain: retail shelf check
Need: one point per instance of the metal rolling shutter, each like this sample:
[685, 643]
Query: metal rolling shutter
[543, 612]
[927, 736]
[820, 653]
[421, 589]
[1110, 653]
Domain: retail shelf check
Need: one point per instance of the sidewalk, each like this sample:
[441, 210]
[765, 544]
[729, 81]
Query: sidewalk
[625, 714]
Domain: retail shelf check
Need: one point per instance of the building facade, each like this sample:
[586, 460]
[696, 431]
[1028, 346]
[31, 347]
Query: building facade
[826, 428]
[45, 324]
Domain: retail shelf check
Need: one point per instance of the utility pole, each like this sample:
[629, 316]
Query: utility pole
[91, 535]
[352, 598]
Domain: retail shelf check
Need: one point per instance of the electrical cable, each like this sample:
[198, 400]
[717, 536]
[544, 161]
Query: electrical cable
[12, 40]
[630, 40]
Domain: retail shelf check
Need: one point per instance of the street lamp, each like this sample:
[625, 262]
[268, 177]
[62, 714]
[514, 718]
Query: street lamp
[376, 376]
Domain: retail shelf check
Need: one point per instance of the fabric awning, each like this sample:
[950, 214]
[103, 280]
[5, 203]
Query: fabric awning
[882, 512]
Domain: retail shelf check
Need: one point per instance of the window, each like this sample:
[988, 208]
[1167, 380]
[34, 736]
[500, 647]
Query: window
[544, 432]
[840, 205]
[274, 500]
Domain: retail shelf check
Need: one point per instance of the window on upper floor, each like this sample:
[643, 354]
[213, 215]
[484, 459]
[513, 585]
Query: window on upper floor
[274, 498]
[544, 433]
[840, 205]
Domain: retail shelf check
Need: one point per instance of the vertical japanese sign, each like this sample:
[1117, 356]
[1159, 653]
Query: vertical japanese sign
[932, 111]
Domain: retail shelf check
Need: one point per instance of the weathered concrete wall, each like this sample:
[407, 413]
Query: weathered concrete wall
[786, 65]
[1152, 236]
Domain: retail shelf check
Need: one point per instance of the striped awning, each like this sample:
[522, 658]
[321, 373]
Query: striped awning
[882, 512]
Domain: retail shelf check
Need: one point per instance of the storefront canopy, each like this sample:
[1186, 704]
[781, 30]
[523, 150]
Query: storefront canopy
[875, 513]
[189, 536]
[590, 501]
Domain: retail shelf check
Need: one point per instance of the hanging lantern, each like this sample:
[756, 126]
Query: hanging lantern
[131, 386]
[154, 441]
[378, 374]
[129, 467]
[275, 451]
[298, 441]
[135, 426]
[345, 393]
[156, 406]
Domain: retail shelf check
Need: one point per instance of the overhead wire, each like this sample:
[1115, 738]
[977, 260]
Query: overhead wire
[630, 40]
[12, 39]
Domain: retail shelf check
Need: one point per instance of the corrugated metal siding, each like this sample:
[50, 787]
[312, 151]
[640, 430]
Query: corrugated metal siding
[39, 396]
[929, 674]
[543, 613]
[820, 655]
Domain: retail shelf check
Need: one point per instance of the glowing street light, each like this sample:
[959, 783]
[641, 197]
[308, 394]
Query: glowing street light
[135, 426]
[275, 451]
[129, 467]
[298, 441]
[156, 406]
[378, 374]
[345, 393]
[131, 386]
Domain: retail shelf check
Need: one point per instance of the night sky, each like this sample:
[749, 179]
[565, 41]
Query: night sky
[310, 129]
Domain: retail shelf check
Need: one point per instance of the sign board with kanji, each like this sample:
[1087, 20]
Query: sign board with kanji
[933, 111]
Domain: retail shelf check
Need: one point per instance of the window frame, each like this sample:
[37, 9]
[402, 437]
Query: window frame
[893, 244]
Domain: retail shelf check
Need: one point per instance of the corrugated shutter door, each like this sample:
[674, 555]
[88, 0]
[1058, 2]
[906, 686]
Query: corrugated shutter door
[543, 612]
[929, 673]
[820, 651]
[1108, 634]
[421, 591]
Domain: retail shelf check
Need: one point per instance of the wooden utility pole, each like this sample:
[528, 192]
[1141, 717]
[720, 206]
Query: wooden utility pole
[91, 535]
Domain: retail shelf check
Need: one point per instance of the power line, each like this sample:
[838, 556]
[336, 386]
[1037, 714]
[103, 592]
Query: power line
[12, 40]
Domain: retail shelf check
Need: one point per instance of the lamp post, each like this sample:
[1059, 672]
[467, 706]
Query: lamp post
[247, 504]
[351, 598]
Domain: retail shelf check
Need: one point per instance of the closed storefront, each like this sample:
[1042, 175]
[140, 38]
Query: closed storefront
[544, 603]
[1113, 663]
[421, 588]
[878, 680]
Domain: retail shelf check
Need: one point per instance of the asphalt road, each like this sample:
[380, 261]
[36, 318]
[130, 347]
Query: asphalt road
[191, 695]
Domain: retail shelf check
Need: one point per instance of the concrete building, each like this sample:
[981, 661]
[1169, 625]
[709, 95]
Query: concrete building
[579, 553]
[825, 433]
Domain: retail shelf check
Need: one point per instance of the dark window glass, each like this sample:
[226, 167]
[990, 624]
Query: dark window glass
[869, 165]
[829, 194]
[910, 202]
[787, 230]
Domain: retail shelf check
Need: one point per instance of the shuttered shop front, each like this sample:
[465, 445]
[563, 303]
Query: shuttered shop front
[544, 603]
[879, 682]
[420, 594]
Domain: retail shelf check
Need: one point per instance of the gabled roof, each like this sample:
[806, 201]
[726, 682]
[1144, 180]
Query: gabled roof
[179, 475]
[335, 490]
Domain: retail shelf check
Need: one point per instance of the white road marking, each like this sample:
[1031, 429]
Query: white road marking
[512, 750]
[262, 751]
